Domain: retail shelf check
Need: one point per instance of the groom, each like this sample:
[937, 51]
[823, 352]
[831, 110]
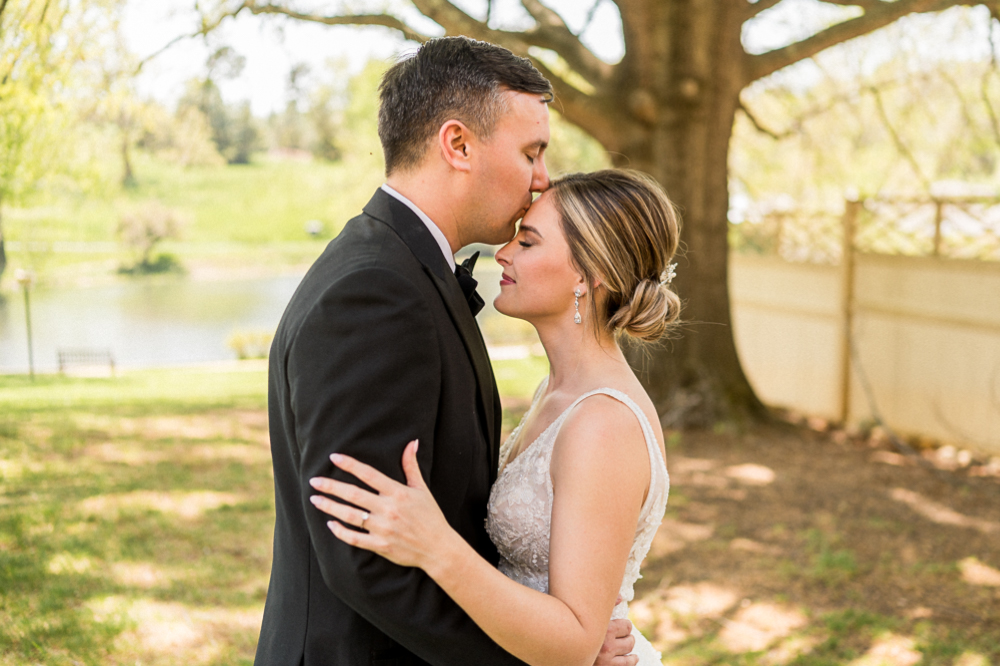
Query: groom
[379, 346]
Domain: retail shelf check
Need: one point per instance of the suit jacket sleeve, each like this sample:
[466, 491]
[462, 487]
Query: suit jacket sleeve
[365, 373]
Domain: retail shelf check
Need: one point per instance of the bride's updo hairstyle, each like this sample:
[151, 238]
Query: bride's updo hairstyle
[623, 232]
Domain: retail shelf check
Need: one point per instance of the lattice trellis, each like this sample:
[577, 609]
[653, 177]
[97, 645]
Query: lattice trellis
[958, 228]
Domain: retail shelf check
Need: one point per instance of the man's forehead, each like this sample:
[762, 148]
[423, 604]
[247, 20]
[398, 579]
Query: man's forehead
[533, 103]
[531, 113]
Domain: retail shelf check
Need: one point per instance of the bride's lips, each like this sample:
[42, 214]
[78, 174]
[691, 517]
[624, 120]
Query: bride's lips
[505, 279]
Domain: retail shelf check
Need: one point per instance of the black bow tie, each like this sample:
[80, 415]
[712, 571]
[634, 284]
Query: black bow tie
[463, 272]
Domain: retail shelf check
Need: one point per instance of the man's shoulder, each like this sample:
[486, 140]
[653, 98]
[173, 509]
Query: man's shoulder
[366, 244]
[367, 255]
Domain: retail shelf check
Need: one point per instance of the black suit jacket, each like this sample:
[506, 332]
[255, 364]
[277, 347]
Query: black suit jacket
[377, 347]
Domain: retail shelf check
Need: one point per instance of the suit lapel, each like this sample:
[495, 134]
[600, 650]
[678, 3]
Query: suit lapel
[412, 231]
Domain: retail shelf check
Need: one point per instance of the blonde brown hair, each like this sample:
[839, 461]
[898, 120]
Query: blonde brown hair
[622, 231]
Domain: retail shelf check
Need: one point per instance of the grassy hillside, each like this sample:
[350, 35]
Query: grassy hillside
[264, 202]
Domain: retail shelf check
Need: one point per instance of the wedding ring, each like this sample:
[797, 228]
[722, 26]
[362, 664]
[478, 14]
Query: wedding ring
[364, 519]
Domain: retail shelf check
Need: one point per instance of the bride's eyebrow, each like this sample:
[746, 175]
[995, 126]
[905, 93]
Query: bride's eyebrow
[525, 227]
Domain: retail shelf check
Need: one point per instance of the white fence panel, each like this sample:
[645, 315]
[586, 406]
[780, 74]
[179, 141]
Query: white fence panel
[927, 332]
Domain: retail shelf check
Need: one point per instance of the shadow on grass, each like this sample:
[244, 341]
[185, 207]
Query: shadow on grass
[136, 519]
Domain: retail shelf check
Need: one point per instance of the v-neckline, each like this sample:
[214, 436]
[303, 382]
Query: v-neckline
[510, 461]
[531, 410]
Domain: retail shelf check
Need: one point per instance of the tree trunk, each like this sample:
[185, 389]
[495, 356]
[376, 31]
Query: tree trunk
[686, 76]
[128, 175]
[3, 249]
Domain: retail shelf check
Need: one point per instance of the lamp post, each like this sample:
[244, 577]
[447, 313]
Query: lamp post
[25, 278]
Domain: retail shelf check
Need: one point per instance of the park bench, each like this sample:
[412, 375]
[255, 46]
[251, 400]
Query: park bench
[86, 362]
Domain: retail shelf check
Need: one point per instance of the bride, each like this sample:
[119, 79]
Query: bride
[582, 485]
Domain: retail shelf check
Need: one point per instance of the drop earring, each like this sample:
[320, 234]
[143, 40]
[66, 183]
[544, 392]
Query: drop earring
[576, 303]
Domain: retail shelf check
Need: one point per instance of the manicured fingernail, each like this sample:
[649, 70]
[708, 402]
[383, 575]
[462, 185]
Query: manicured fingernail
[314, 482]
[336, 458]
[332, 525]
[314, 499]
[416, 445]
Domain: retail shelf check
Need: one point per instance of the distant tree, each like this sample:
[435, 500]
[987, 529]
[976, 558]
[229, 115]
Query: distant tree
[322, 117]
[327, 99]
[234, 129]
[246, 137]
[42, 48]
[142, 229]
[115, 101]
[290, 127]
[183, 137]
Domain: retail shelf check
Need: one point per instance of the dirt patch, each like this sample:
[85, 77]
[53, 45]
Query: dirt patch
[773, 535]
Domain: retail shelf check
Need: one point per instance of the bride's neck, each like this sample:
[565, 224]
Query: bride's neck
[577, 355]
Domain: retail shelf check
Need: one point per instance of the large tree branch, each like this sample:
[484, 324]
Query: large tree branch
[552, 28]
[580, 108]
[549, 32]
[384, 20]
[881, 14]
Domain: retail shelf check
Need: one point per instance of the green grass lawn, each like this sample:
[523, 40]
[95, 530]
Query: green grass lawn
[136, 520]
[136, 514]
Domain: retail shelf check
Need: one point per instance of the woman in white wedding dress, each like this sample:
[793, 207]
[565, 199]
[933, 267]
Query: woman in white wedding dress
[583, 485]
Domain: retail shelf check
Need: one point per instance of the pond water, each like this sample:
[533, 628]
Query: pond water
[155, 322]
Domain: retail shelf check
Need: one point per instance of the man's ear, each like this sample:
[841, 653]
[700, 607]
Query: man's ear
[453, 140]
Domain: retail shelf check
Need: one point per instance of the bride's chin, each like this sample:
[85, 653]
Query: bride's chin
[498, 305]
[501, 305]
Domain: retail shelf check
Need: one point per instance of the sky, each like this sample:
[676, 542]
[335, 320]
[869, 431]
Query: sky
[272, 45]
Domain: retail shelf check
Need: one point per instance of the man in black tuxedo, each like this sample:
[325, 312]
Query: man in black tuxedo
[379, 346]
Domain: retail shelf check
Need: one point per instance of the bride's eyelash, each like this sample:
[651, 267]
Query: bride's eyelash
[524, 244]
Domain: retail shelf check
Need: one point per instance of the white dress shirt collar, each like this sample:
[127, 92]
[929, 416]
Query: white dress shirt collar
[436, 232]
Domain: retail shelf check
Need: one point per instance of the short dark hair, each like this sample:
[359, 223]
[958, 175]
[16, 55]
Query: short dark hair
[448, 77]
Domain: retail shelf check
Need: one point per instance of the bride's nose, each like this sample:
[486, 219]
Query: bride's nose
[501, 255]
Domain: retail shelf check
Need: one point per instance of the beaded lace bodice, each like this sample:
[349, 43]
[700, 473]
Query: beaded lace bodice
[519, 519]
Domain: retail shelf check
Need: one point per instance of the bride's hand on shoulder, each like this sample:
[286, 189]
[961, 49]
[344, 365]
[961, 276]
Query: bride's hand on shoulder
[402, 523]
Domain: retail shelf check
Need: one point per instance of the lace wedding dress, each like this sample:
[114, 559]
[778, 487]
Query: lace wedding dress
[520, 511]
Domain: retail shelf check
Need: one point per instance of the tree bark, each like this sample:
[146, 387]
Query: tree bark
[686, 76]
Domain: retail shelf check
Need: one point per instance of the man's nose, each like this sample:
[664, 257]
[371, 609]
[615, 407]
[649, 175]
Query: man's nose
[540, 176]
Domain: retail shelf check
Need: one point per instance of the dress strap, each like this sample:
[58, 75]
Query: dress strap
[621, 396]
[658, 466]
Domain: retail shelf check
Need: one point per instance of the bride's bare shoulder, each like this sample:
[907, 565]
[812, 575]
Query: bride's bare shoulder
[600, 431]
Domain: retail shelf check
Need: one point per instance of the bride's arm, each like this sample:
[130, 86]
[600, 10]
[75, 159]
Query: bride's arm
[600, 472]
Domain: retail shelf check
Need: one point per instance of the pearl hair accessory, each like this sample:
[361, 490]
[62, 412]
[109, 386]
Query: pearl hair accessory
[667, 276]
[576, 303]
